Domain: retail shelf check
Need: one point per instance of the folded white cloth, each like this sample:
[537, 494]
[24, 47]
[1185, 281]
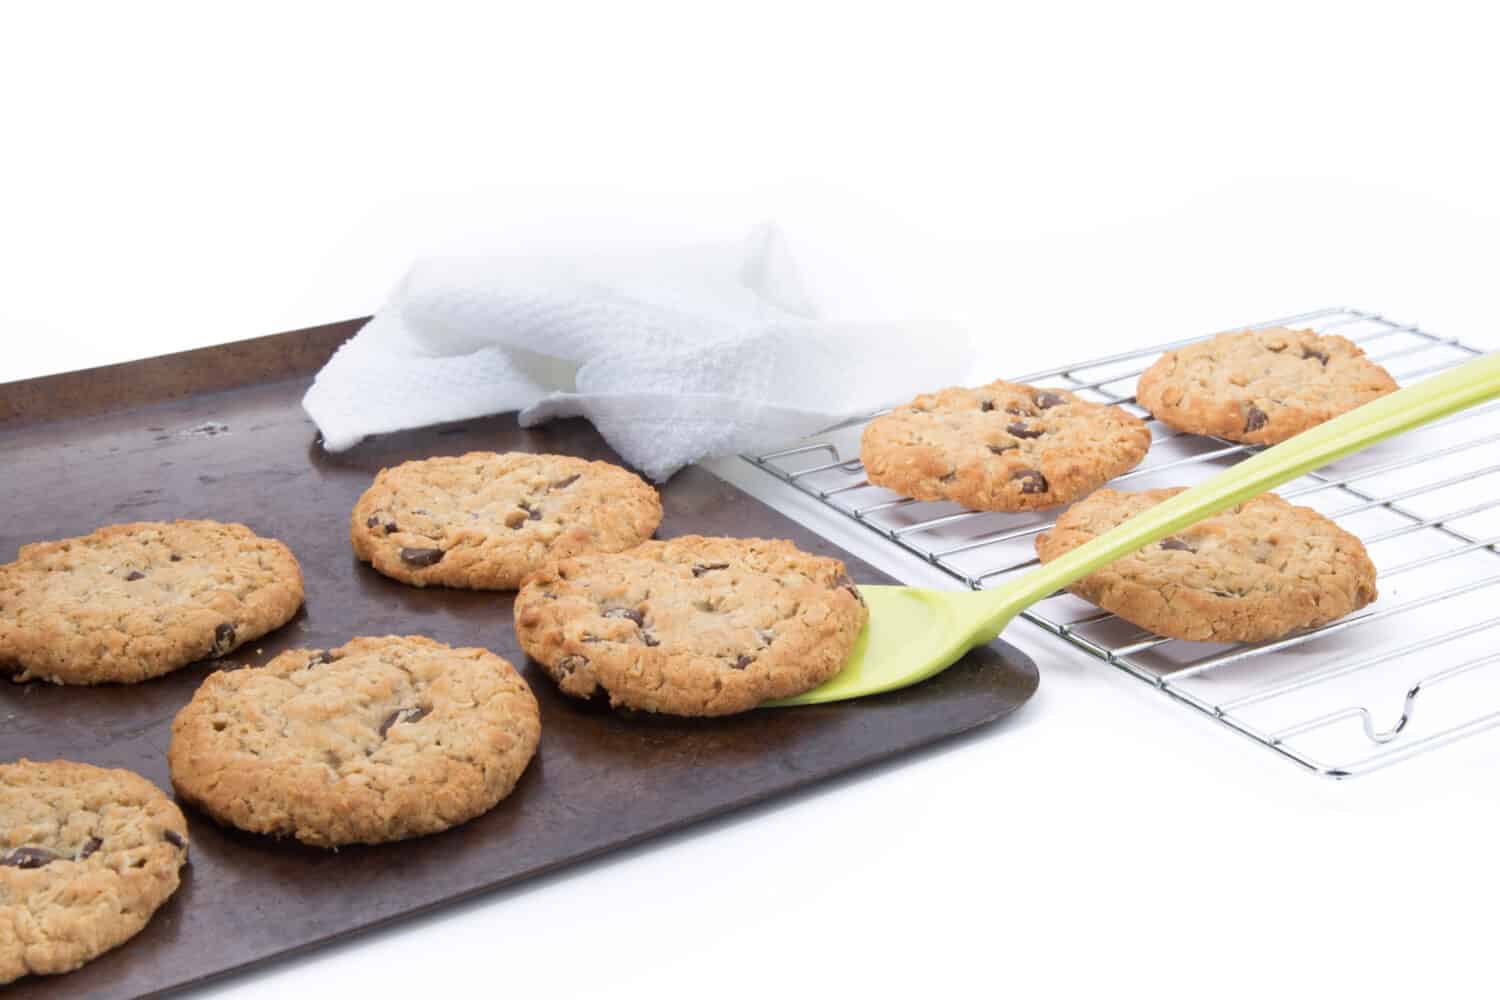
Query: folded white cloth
[674, 355]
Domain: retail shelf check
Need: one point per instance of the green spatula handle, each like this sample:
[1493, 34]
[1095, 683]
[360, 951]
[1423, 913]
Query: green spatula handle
[1471, 383]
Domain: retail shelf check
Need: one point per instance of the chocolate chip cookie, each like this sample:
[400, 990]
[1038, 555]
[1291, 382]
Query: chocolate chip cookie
[484, 520]
[87, 855]
[380, 739]
[1254, 572]
[693, 625]
[1260, 386]
[134, 601]
[1003, 446]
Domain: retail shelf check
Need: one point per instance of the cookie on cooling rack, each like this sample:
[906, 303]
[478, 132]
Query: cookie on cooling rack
[1260, 386]
[87, 855]
[1254, 572]
[1002, 446]
[380, 739]
[693, 625]
[484, 520]
[134, 601]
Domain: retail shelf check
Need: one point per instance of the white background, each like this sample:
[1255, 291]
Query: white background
[1062, 179]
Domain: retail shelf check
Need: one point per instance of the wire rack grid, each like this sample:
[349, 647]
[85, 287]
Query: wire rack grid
[1339, 700]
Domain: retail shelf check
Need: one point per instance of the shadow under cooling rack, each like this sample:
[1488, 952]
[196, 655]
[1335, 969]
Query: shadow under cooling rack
[1407, 674]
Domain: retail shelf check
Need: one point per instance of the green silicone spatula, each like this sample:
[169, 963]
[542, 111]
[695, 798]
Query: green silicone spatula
[915, 633]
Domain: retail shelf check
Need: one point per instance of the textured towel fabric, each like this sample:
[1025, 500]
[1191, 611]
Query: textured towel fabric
[674, 355]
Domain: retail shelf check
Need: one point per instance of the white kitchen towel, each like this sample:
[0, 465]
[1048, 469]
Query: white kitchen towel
[674, 355]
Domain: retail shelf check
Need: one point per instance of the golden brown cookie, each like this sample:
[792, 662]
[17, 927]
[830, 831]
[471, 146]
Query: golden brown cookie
[134, 601]
[1254, 572]
[87, 855]
[693, 625]
[380, 739]
[1002, 446]
[484, 520]
[1260, 386]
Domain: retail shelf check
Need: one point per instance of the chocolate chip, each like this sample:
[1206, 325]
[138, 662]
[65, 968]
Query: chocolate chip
[421, 510]
[1255, 418]
[742, 661]
[563, 484]
[174, 838]
[134, 574]
[372, 520]
[175, 557]
[986, 405]
[399, 716]
[1047, 400]
[223, 639]
[649, 638]
[1020, 430]
[89, 847]
[766, 637]
[568, 664]
[1001, 449]
[702, 568]
[1176, 545]
[391, 528]
[421, 557]
[536, 514]
[27, 857]
[630, 613]
[842, 580]
[1308, 352]
[549, 595]
[1032, 481]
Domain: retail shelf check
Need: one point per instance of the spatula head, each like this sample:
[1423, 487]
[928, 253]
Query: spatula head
[912, 634]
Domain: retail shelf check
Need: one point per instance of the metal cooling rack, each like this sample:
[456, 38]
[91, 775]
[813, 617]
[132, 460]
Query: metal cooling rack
[1376, 687]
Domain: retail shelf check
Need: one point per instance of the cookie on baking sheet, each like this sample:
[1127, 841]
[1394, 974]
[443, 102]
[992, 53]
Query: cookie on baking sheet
[87, 855]
[1260, 386]
[1254, 572]
[693, 625]
[134, 601]
[1002, 446]
[380, 739]
[484, 520]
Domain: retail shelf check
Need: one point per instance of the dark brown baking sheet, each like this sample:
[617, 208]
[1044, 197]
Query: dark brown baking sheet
[219, 433]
